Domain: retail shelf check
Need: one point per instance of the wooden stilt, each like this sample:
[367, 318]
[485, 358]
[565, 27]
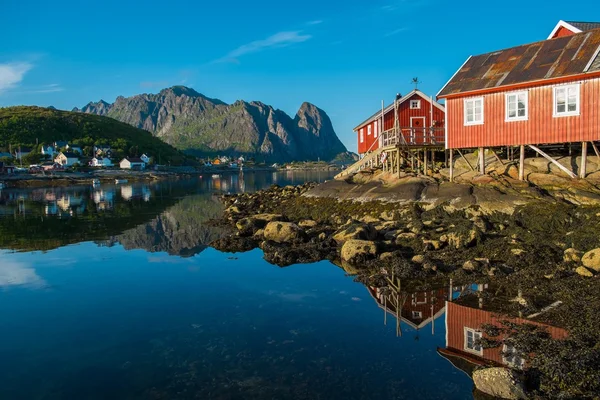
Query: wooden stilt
[583, 169]
[482, 161]
[553, 161]
[464, 158]
[595, 149]
[451, 165]
[522, 162]
[497, 158]
[425, 162]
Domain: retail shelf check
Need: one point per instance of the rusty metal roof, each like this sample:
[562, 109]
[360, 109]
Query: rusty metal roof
[548, 59]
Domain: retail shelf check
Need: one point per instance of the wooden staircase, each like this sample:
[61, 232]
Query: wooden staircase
[371, 158]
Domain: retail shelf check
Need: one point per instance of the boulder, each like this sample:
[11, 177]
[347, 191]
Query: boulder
[418, 259]
[460, 240]
[283, 232]
[583, 271]
[471, 265]
[432, 244]
[591, 259]
[387, 216]
[572, 255]
[499, 382]
[354, 250]
[245, 226]
[355, 231]
[261, 220]
[307, 223]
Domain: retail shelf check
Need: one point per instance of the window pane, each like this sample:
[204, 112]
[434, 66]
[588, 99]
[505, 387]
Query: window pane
[572, 106]
[560, 108]
[512, 113]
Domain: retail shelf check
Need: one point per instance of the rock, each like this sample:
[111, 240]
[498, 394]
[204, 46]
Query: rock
[572, 255]
[518, 252]
[418, 259]
[432, 244]
[583, 271]
[283, 232]
[387, 216]
[367, 219]
[403, 237]
[482, 224]
[245, 226]
[462, 240]
[471, 265]
[355, 231]
[233, 210]
[354, 250]
[322, 236]
[307, 223]
[385, 256]
[259, 234]
[591, 260]
[263, 219]
[499, 382]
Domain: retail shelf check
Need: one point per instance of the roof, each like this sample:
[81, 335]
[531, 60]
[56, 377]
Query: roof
[556, 58]
[402, 100]
[70, 155]
[573, 26]
[584, 26]
[134, 160]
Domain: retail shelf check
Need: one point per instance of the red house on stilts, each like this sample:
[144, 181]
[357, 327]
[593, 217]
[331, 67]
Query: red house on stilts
[543, 93]
[414, 115]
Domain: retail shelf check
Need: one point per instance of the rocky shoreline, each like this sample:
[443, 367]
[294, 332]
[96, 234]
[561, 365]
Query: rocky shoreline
[533, 247]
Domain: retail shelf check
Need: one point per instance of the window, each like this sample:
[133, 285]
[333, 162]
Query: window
[566, 100]
[415, 104]
[511, 357]
[376, 131]
[474, 111]
[517, 106]
[362, 135]
[369, 130]
[471, 337]
[417, 315]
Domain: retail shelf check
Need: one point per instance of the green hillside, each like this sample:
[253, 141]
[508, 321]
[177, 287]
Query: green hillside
[33, 126]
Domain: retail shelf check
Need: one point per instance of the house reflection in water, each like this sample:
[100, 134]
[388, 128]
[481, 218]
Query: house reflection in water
[131, 192]
[71, 204]
[104, 198]
[417, 309]
[465, 316]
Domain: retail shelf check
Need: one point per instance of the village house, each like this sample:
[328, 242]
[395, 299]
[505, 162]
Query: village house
[67, 159]
[145, 158]
[414, 115]
[101, 162]
[102, 150]
[48, 150]
[51, 166]
[74, 149]
[132, 163]
[21, 152]
[6, 169]
[542, 93]
[59, 144]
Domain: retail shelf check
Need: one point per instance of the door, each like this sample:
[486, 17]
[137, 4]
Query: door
[417, 134]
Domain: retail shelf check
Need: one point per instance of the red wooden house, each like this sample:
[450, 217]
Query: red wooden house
[540, 93]
[567, 28]
[463, 330]
[415, 110]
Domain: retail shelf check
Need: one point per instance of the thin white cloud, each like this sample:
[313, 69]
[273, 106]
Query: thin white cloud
[50, 88]
[13, 273]
[280, 39]
[11, 74]
[315, 22]
[395, 32]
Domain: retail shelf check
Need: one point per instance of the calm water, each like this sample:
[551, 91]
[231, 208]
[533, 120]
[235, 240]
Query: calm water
[112, 293]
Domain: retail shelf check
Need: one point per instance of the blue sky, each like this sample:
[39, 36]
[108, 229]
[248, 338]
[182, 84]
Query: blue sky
[345, 59]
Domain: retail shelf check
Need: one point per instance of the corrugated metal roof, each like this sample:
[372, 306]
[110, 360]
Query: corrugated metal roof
[555, 58]
[584, 26]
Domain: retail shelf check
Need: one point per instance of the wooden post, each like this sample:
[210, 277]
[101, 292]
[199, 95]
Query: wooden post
[425, 162]
[482, 161]
[522, 163]
[467, 161]
[583, 168]
[451, 165]
[553, 161]
[595, 149]
[399, 162]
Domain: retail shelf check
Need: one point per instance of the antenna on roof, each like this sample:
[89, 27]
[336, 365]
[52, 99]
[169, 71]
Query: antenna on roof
[415, 81]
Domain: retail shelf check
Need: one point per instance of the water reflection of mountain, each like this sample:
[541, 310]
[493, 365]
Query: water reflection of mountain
[181, 230]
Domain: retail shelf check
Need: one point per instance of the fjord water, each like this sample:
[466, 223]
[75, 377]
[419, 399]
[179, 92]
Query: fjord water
[112, 293]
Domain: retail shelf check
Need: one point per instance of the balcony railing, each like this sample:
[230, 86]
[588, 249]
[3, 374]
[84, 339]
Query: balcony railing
[404, 136]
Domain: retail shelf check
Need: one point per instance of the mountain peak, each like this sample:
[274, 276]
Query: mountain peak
[179, 90]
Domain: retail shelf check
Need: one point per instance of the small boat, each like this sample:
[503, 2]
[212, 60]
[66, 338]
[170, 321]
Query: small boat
[216, 176]
[118, 181]
[96, 182]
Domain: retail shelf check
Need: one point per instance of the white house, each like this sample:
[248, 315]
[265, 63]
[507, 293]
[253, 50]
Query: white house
[102, 149]
[145, 158]
[67, 159]
[101, 162]
[132, 163]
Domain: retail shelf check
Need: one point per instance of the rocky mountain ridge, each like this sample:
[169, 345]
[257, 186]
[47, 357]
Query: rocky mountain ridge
[201, 125]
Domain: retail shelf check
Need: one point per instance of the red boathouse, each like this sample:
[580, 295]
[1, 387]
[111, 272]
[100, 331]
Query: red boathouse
[535, 94]
[415, 115]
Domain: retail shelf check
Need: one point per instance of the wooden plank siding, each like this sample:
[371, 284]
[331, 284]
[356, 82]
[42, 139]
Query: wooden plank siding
[541, 127]
[459, 317]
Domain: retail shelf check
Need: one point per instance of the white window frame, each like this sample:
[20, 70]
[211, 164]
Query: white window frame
[417, 315]
[376, 130]
[566, 113]
[465, 106]
[415, 104]
[369, 130]
[507, 97]
[475, 333]
[361, 134]
[510, 361]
